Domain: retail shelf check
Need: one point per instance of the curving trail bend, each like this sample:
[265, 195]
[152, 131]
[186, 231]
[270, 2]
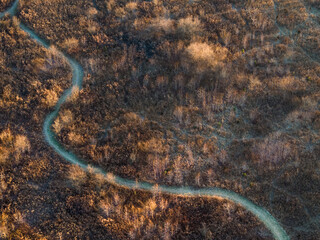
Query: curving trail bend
[77, 76]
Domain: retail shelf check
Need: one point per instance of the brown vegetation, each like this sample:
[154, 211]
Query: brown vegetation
[201, 93]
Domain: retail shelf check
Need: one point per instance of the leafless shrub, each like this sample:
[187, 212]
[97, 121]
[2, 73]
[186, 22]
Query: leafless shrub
[6, 137]
[153, 145]
[272, 150]
[21, 144]
[131, 6]
[77, 175]
[189, 26]
[178, 81]
[75, 92]
[260, 20]
[70, 43]
[162, 24]
[163, 204]
[159, 164]
[211, 176]
[57, 125]
[201, 51]
[178, 176]
[10, 144]
[93, 28]
[50, 97]
[289, 83]
[198, 178]
[120, 12]
[205, 232]
[178, 113]
[235, 97]
[18, 217]
[133, 117]
[91, 64]
[225, 35]
[132, 234]
[150, 207]
[157, 2]
[161, 81]
[4, 232]
[202, 96]
[208, 55]
[4, 4]
[223, 156]
[190, 157]
[92, 11]
[217, 103]
[246, 40]
[106, 207]
[53, 59]
[110, 177]
[306, 113]
[3, 184]
[4, 155]
[168, 230]
[54, 54]
[229, 208]
[254, 83]
[111, 4]
[16, 21]
[66, 116]
[75, 138]
[64, 119]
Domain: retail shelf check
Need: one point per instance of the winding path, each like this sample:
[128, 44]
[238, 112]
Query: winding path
[77, 77]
